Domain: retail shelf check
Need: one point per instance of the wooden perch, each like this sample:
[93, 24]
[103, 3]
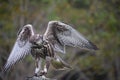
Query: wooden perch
[39, 78]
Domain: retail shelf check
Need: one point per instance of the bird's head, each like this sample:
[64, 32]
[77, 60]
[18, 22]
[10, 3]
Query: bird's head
[37, 40]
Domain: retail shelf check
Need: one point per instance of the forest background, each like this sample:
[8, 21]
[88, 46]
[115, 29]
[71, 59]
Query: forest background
[98, 20]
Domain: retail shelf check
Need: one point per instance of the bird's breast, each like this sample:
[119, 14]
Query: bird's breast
[37, 53]
[45, 50]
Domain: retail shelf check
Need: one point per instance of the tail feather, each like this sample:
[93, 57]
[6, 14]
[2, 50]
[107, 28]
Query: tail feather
[58, 63]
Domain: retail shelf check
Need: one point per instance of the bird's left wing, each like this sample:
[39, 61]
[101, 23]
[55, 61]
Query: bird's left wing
[21, 47]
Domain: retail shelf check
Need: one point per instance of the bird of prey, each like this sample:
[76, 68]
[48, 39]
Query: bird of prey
[57, 36]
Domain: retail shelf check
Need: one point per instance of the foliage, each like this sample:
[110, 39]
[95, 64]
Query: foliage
[98, 20]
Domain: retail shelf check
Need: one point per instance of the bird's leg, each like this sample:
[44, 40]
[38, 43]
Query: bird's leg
[46, 66]
[38, 66]
[37, 69]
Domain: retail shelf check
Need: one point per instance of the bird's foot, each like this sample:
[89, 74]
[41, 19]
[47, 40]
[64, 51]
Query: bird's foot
[29, 77]
[42, 73]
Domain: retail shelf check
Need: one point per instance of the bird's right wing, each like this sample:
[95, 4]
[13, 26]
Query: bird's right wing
[21, 47]
[61, 35]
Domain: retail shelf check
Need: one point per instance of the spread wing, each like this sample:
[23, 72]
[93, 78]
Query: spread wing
[60, 35]
[21, 47]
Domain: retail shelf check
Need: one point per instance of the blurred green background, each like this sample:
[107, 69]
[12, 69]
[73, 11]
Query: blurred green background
[98, 20]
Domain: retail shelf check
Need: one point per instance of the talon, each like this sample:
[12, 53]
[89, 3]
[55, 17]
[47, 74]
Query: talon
[43, 73]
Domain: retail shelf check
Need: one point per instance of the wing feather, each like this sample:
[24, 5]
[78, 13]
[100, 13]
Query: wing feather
[65, 35]
[21, 48]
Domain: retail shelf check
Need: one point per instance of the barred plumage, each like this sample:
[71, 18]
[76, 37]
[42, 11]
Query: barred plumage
[45, 50]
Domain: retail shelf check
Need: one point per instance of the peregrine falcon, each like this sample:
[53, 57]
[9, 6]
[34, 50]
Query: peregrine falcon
[58, 35]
